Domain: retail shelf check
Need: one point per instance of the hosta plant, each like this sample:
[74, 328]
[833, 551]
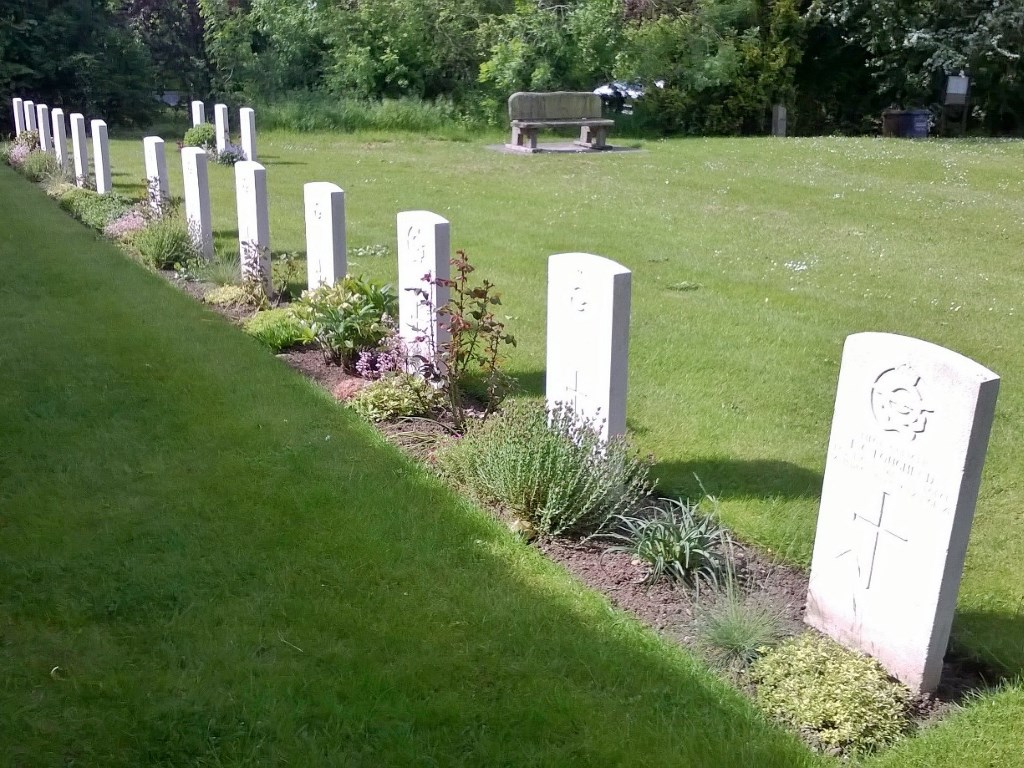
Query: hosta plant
[350, 316]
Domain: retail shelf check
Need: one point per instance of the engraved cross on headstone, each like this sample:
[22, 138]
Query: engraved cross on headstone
[870, 535]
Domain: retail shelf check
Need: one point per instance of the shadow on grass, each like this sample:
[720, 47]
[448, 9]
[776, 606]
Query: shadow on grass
[729, 478]
[994, 640]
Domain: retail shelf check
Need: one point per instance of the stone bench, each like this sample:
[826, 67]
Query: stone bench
[530, 112]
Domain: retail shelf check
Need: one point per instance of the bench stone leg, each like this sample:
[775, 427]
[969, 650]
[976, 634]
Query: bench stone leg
[524, 138]
[593, 136]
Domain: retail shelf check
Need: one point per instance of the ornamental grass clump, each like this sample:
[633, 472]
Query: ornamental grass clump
[551, 468]
[675, 539]
[735, 629]
[840, 700]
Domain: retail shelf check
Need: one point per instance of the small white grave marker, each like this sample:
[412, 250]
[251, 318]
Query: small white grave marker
[247, 118]
[253, 221]
[43, 121]
[156, 171]
[325, 233]
[588, 338]
[220, 119]
[18, 105]
[424, 255]
[198, 113]
[60, 137]
[197, 199]
[908, 442]
[30, 116]
[101, 156]
[779, 120]
[80, 149]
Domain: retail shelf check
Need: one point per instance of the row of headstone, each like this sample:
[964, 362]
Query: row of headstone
[247, 126]
[905, 456]
[53, 138]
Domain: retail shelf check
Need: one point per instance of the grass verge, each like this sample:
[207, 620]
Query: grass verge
[206, 562]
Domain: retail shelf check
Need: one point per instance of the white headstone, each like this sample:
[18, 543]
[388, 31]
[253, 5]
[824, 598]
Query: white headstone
[60, 137]
[325, 233]
[253, 221]
[220, 118]
[101, 156]
[588, 338]
[247, 119]
[779, 120]
[30, 116]
[80, 149]
[424, 255]
[18, 105]
[198, 113]
[156, 171]
[197, 198]
[43, 121]
[908, 443]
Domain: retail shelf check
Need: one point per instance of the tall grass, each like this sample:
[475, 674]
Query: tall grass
[320, 112]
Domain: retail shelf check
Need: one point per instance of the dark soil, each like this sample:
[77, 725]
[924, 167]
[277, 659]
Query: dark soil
[674, 611]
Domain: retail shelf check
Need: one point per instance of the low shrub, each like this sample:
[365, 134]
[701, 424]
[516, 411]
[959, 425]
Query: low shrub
[396, 396]
[278, 329]
[39, 165]
[165, 243]
[93, 209]
[840, 699]
[676, 541]
[203, 135]
[352, 315]
[550, 468]
[230, 296]
[736, 629]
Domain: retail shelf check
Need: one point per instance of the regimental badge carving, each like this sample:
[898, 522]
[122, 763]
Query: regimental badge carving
[897, 402]
[415, 243]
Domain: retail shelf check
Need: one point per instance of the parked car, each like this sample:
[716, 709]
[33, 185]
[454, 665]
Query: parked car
[619, 95]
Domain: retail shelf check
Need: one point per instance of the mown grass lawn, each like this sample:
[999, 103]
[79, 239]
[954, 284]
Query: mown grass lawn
[753, 259]
[190, 627]
[205, 561]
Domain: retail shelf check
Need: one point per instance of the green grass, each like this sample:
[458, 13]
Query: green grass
[207, 562]
[735, 380]
[753, 260]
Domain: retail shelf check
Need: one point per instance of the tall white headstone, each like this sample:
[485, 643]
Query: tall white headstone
[424, 256]
[60, 137]
[156, 171]
[908, 443]
[588, 338]
[197, 199]
[30, 116]
[43, 121]
[101, 156]
[198, 113]
[220, 119]
[253, 221]
[247, 119]
[18, 105]
[325, 233]
[80, 149]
